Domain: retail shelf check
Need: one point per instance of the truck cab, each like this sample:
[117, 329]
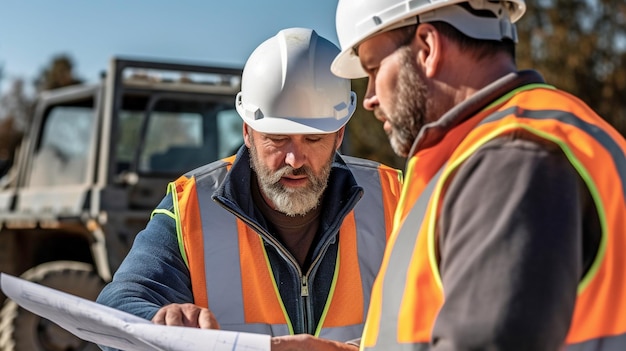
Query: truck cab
[93, 166]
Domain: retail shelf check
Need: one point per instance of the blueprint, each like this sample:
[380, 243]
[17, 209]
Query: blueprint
[107, 326]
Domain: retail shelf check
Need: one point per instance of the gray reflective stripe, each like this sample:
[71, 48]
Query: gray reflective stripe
[258, 328]
[610, 343]
[395, 276]
[418, 346]
[221, 253]
[568, 118]
[346, 333]
[369, 215]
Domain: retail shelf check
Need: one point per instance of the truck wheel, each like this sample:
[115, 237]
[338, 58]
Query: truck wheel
[21, 330]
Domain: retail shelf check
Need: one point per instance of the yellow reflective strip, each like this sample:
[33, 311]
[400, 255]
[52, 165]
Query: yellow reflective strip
[163, 211]
[280, 300]
[171, 187]
[430, 237]
[318, 330]
[582, 171]
[431, 242]
[595, 194]
[509, 95]
[400, 176]
[404, 193]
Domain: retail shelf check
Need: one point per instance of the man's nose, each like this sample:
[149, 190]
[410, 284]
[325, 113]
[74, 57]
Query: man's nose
[370, 100]
[295, 156]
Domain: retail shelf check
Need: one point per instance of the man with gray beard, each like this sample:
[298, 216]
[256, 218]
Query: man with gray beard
[286, 236]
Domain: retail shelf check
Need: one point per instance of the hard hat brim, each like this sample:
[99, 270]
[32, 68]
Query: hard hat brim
[283, 125]
[347, 65]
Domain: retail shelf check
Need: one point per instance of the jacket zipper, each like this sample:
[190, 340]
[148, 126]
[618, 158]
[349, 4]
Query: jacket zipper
[304, 286]
[304, 294]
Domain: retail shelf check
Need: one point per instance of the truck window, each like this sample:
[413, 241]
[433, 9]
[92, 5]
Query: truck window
[229, 126]
[62, 152]
[180, 142]
[173, 143]
[129, 131]
[178, 135]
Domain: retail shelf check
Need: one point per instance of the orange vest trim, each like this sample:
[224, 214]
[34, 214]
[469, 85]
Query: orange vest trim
[345, 302]
[346, 290]
[185, 197]
[391, 181]
[260, 291]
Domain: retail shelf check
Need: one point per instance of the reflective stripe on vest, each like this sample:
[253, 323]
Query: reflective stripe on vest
[609, 343]
[594, 149]
[398, 264]
[248, 299]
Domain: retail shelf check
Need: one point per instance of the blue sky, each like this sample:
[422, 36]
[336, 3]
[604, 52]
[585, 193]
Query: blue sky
[91, 31]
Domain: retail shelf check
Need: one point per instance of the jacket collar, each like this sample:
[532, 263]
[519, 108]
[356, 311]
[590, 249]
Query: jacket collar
[338, 200]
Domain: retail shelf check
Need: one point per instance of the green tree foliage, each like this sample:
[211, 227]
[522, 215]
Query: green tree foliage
[9, 140]
[16, 108]
[365, 136]
[58, 74]
[577, 45]
[15, 112]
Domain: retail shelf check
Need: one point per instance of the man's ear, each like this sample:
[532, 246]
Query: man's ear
[429, 40]
[339, 139]
[246, 135]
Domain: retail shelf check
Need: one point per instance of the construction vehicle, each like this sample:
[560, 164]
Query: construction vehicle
[93, 166]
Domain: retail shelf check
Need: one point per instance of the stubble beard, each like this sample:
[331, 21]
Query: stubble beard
[408, 111]
[291, 201]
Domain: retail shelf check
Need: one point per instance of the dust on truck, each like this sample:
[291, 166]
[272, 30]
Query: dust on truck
[93, 165]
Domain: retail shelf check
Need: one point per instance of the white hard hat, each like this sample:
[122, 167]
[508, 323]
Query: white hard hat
[358, 20]
[287, 86]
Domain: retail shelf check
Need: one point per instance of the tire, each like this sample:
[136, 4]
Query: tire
[21, 330]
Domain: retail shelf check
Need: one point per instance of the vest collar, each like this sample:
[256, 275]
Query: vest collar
[432, 133]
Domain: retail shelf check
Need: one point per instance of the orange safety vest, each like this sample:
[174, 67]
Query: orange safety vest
[232, 275]
[408, 294]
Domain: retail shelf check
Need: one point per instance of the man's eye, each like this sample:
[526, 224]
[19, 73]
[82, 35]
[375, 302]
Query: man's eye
[277, 140]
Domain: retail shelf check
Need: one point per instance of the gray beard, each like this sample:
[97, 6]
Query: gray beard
[290, 201]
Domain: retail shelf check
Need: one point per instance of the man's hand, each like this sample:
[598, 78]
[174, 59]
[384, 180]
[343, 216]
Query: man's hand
[186, 315]
[306, 342]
